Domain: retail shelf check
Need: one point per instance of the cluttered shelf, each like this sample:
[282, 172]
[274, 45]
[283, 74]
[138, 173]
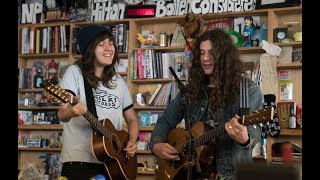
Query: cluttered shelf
[37, 107]
[41, 127]
[38, 149]
[291, 132]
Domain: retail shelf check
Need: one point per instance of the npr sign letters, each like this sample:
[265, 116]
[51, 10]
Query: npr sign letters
[182, 7]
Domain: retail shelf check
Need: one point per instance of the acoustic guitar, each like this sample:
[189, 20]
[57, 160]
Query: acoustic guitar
[107, 142]
[202, 141]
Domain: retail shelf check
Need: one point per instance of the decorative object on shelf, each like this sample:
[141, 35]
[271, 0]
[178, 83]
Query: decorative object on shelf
[297, 56]
[32, 12]
[297, 36]
[140, 11]
[292, 118]
[193, 26]
[178, 37]
[148, 38]
[265, 4]
[248, 31]
[178, 8]
[106, 10]
[279, 34]
[38, 78]
[236, 37]
[52, 69]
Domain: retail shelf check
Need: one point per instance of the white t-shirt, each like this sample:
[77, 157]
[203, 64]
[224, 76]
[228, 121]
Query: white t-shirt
[76, 144]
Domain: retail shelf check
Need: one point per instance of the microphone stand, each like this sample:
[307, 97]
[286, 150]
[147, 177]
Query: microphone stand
[186, 115]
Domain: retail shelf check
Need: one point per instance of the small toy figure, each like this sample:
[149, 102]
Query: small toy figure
[141, 39]
[248, 31]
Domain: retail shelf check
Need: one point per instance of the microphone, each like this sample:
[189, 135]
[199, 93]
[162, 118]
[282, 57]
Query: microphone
[181, 86]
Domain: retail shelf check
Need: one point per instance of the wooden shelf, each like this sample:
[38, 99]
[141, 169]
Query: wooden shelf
[149, 107]
[57, 23]
[289, 66]
[295, 44]
[44, 55]
[146, 172]
[294, 158]
[38, 107]
[38, 149]
[31, 90]
[288, 10]
[290, 132]
[146, 128]
[150, 81]
[41, 127]
[244, 50]
[170, 48]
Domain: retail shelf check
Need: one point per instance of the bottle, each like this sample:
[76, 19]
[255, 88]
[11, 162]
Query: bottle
[292, 118]
[38, 79]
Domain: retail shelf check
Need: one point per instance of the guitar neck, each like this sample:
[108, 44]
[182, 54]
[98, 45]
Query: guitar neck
[210, 135]
[263, 115]
[97, 125]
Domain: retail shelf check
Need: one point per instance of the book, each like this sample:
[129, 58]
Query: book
[226, 23]
[155, 92]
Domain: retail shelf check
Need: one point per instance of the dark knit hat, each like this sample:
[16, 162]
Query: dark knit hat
[87, 34]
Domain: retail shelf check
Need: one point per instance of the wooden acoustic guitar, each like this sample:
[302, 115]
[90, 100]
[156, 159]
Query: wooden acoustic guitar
[107, 142]
[202, 141]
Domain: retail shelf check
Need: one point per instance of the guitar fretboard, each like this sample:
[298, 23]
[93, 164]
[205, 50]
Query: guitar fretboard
[97, 125]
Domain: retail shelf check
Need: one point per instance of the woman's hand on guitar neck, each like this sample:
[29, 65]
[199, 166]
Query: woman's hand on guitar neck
[166, 151]
[237, 131]
[68, 111]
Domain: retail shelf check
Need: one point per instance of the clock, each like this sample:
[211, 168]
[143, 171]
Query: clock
[280, 34]
[133, 2]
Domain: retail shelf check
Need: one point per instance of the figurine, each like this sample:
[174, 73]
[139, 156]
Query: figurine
[248, 31]
[141, 39]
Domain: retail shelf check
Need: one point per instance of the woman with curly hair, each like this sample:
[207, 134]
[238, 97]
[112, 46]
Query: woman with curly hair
[214, 96]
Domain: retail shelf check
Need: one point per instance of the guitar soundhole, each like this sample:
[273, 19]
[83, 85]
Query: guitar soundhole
[115, 144]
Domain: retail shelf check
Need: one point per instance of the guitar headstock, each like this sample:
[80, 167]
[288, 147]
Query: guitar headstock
[260, 116]
[56, 92]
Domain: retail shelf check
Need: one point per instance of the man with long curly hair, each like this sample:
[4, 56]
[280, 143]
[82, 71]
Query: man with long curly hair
[214, 94]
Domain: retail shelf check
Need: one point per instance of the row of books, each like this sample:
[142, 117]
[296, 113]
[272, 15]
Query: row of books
[35, 40]
[151, 64]
[163, 94]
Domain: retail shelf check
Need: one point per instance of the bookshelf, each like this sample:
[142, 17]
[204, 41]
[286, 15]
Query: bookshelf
[274, 17]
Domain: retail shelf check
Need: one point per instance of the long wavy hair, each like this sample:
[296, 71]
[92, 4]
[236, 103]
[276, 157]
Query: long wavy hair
[226, 73]
[86, 62]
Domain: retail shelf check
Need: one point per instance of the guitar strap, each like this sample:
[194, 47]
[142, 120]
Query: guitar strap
[89, 97]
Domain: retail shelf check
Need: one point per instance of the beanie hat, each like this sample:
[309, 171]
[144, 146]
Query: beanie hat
[87, 34]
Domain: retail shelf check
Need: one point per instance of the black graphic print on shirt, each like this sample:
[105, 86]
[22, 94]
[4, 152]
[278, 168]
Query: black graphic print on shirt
[106, 100]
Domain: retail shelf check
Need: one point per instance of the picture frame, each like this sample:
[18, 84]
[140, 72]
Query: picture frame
[265, 4]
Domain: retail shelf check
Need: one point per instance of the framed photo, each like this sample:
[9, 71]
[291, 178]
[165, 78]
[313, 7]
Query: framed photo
[265, 4]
